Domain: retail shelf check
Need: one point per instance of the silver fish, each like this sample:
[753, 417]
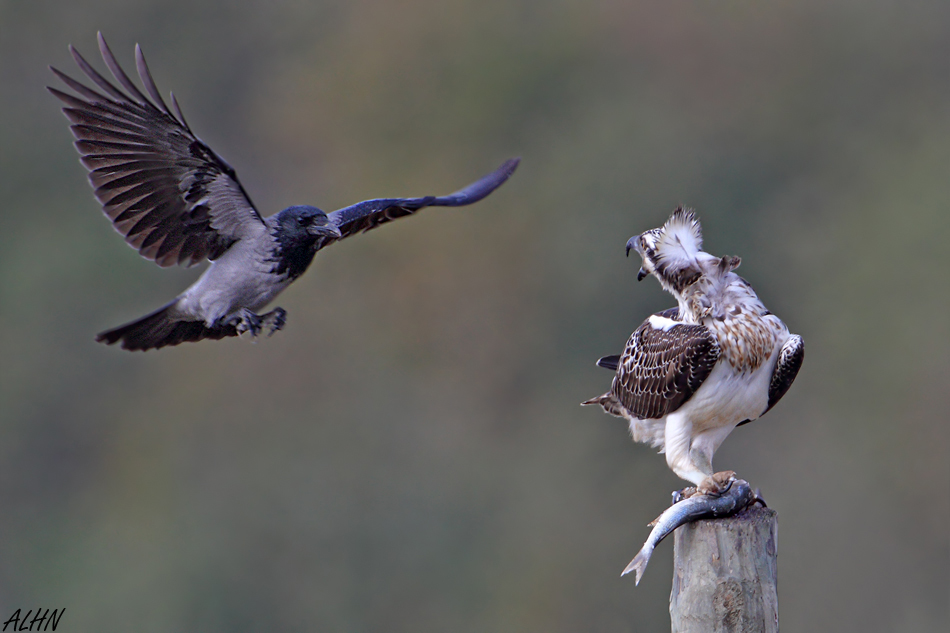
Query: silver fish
[737, 497]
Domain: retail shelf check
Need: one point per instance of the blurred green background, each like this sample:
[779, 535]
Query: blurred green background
[409, 453]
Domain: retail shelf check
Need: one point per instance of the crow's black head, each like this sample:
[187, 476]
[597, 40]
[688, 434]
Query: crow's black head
[305, 223]
[300, 231]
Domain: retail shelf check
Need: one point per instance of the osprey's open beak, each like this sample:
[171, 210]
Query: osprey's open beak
[633, 245]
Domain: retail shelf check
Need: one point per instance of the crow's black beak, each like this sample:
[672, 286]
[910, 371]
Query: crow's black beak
[641, 274]
[328, 230]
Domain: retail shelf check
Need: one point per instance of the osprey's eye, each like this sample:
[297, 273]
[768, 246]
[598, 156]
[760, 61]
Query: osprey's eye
[304, 220]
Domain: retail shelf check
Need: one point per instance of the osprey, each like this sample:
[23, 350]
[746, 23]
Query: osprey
[176, 201]
[689, 375]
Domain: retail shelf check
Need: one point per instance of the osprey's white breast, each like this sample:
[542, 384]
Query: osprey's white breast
[737, 389]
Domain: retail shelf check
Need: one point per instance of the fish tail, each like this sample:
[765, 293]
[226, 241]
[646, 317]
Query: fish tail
[639, 563]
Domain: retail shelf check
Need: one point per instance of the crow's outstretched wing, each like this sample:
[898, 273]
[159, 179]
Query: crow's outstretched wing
[170, 195]
[369, 214]
[662, 367]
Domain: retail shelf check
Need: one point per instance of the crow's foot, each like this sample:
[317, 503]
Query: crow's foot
[275, 320]
[247, 321]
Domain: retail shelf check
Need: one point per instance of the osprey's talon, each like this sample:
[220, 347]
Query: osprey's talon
[275, 320]
[685, 493]
[757, 498]
[716, 484]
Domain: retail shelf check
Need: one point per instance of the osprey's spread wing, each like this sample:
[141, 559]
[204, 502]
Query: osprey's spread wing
[662, 366]
[170, 195]
[369, 214]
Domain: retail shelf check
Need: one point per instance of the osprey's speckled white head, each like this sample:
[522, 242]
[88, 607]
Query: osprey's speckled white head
[672, 253]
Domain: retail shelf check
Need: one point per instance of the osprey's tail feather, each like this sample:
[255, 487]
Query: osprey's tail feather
[610, 362]
[609, 402]
[160, 329]
[652, 431]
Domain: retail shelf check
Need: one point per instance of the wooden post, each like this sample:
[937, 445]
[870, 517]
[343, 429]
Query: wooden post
[725, 574]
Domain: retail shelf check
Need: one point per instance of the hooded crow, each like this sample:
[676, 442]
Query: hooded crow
[176, 201]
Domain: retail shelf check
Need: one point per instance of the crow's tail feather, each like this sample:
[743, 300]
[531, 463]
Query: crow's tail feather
[160, 329]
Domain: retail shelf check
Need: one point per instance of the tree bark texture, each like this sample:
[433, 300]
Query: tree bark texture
[725, 574]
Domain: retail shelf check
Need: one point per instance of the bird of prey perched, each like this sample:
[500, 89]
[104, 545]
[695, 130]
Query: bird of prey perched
[689, 375]
[176, 201]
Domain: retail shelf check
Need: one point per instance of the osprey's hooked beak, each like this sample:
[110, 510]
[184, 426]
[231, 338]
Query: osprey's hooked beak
[632, 245]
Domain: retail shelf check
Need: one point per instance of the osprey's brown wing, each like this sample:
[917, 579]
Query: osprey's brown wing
[661, 368]
[613, 361]
[170, 195]
[789, 361]
[786, 368]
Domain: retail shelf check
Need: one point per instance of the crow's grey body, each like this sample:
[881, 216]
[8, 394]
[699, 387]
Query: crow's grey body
[238, 279]
[177, 202]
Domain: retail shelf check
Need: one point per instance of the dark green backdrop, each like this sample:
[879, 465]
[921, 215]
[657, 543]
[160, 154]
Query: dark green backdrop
[409, 453]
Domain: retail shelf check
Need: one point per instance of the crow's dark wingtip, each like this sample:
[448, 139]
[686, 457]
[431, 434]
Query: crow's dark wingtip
[509, 166]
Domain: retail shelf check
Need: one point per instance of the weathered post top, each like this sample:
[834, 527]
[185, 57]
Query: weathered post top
[725, 574]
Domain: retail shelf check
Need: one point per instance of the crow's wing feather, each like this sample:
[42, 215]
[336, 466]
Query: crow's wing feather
[369, 214]
[170, 195]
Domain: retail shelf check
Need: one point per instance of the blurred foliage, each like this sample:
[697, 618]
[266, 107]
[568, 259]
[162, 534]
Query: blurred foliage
[409, 454]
